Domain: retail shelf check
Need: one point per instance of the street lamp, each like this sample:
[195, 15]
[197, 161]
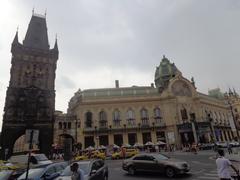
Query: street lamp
[76, 127]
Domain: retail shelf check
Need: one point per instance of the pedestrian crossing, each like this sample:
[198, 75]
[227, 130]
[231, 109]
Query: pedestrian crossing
[211, 175]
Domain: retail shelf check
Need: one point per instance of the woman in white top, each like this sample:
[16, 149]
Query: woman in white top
[223, 165]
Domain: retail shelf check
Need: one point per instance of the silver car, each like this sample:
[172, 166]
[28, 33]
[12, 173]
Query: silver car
[93, 170]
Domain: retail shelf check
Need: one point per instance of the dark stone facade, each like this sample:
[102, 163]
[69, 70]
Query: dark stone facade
[30, 97]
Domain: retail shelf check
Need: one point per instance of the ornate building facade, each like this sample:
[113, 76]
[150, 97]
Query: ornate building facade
[172, 111]
[30, 97]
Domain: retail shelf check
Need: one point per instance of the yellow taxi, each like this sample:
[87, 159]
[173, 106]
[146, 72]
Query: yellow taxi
[5, 165]
[82, 157]
[98, 155]
[128, 153]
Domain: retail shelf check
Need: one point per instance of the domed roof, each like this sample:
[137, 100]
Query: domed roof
[164, 72]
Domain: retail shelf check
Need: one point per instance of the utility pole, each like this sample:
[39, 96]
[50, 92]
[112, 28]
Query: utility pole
[29, 153]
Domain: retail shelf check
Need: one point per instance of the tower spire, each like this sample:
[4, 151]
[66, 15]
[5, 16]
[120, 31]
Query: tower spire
[37, 39]
[15, 40]
[56, 44]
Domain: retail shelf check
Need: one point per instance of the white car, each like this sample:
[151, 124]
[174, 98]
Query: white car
[234, 144]
[35, 159]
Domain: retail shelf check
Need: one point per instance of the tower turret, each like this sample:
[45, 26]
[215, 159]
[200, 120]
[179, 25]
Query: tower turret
[164, 72]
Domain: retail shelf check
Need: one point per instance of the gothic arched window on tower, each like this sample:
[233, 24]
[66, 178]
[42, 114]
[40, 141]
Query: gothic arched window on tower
[131, 118]
[64, 125]
[157, 115]
[116, 118]
[184, 115]
[88, 120]
[144, 117]
[60, 125]
[69, 125]
[102, 119]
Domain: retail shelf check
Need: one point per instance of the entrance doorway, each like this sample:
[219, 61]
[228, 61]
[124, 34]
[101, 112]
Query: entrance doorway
[132, 138]
[20, 145]
[89, 141]
[187, 138]
[146, 137]
[118, 139]
[103, 140]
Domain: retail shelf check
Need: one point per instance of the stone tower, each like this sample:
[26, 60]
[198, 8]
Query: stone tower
[30, 97]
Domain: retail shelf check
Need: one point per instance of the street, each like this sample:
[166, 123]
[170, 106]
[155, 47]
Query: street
[202, 167]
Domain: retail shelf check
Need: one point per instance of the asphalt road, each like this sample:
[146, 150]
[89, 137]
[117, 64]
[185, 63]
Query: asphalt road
[202, 168]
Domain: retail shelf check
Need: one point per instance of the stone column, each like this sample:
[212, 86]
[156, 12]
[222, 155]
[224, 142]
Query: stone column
[139, 137]
[154, 136]
[194, 133]
[111, 140]
[125, 138]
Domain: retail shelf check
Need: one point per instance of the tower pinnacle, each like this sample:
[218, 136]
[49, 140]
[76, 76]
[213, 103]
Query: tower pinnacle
[15, 40]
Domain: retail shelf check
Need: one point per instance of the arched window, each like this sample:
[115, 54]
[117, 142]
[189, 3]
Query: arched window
[144, 116]
[60, 125]
[64, 125]
[102, 116]
[116, 118]
[130, 118]
[157, 115]
[88, 120]
[69, 125]
[102, 119]
[184, 115]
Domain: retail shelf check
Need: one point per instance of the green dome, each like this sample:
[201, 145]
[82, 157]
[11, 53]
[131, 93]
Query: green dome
[164, 72]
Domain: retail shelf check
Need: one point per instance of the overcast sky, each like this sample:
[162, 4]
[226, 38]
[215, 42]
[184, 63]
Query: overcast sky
[103, 40]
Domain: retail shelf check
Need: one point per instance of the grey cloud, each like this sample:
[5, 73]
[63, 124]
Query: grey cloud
[65, 82]
[130, 37]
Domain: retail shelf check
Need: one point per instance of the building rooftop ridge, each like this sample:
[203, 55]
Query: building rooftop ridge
[120, 88]
[39, 15]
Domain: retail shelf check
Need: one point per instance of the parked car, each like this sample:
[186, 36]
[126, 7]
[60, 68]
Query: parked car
[234, 144]
[95, 169]
[221, 144]
[46, 172]
[206, 146]
[35, 159]
[158, 163]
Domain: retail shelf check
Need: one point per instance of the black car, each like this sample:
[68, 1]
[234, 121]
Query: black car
[95, 169]
[155, 163]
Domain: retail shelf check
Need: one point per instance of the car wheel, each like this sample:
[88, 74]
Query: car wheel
[131, 170]
[170, 172]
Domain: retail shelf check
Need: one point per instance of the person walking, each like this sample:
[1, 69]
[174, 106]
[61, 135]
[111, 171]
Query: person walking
[223, 165]
[77, 173]
[229, 147]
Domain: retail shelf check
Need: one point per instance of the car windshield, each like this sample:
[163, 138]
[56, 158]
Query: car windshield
[41, 157]
[82, 166]
[4, 175]
[161, 157]
[33, 173]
